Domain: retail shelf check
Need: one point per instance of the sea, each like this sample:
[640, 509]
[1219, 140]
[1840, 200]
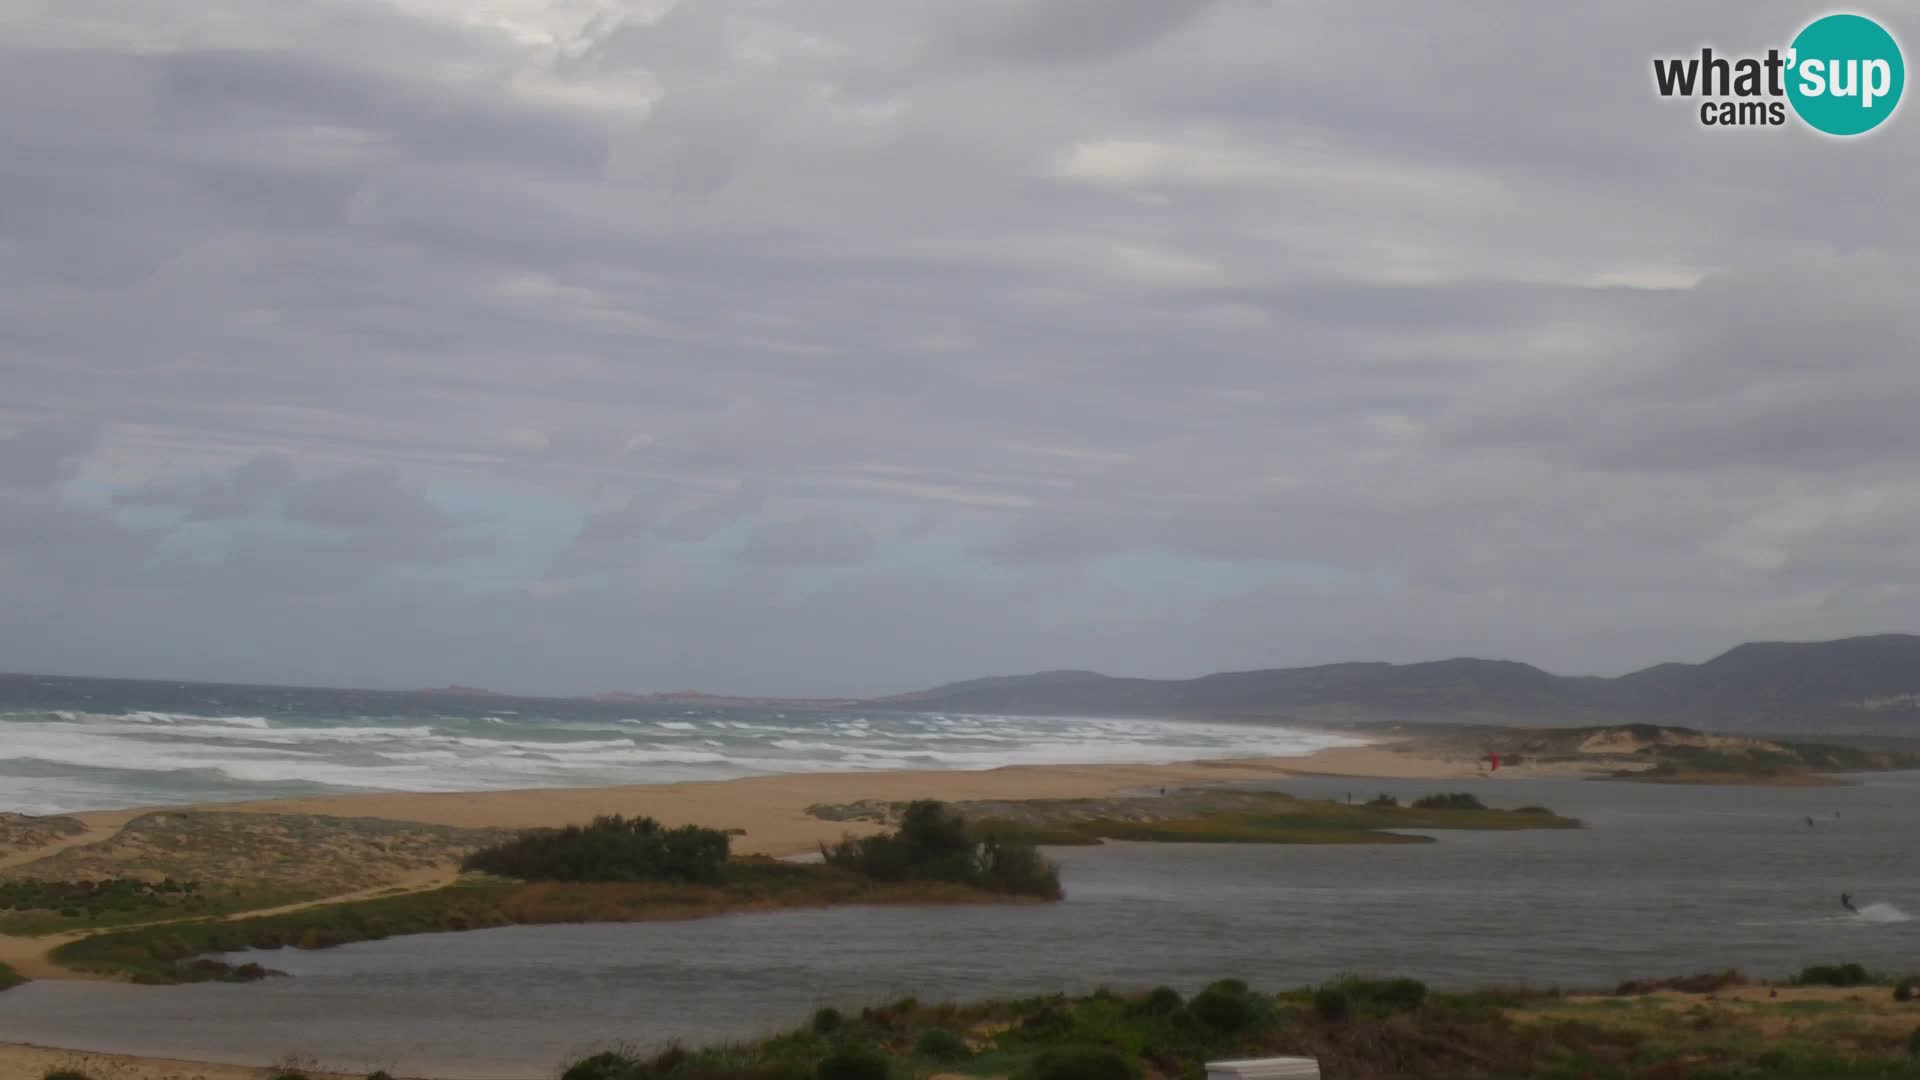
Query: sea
[1661, 880]
[89, 744]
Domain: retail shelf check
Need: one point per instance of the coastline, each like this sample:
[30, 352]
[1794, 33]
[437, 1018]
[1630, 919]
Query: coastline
[773, 810]
[27, 1061]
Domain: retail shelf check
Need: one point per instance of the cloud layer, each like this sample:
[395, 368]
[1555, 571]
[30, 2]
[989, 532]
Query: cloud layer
[835, 347]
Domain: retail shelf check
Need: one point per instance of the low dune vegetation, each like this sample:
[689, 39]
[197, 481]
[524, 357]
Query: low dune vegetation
[1356, 1028]
[613, 869]
[29, 907]
[1216, 815]
[9, 978]
[175, 864]
[934, 843]
[611, 848]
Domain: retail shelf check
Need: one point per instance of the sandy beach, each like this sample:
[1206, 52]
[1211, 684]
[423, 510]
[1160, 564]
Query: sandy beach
[772, 810]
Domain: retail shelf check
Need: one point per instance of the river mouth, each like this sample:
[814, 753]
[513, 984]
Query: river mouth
[1662, 881]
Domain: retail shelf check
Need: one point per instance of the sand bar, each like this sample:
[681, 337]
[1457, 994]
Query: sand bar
[773, 809]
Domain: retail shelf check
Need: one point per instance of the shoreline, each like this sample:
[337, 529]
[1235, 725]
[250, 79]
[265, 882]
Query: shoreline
[773, 809]
[774, 812]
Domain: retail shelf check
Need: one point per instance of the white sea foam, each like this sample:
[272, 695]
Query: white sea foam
[1883, 913]
[151, 756]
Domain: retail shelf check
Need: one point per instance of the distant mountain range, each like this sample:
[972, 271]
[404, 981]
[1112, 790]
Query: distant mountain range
[1858, 685]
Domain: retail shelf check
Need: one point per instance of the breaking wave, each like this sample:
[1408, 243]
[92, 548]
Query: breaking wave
[59, 760]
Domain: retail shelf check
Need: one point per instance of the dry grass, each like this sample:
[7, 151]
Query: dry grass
[1206, 815]
[21, 834]
[284, 857]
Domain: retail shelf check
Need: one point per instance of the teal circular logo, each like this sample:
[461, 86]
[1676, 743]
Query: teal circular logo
[1846, 75]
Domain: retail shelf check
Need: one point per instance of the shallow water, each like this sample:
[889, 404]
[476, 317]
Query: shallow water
[1665, 880]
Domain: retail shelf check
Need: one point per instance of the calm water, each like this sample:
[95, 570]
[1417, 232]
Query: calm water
[1665, 880]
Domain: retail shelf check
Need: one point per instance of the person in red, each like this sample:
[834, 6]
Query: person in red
[1493, 758]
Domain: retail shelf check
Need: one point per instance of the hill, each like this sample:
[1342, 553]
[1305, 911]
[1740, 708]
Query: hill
[1862, 685]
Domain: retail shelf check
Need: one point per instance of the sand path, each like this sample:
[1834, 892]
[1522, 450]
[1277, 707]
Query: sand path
[99, 825]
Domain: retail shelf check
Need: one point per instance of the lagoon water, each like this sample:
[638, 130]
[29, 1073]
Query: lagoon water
[1664, 880]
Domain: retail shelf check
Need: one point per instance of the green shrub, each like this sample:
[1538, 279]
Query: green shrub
[10, 978]
[1222, 1010]
[939, 1044]
[1385, 996]
[65, 1074]
[1050, 1022]
[608, 1065]
[1330, 1003]
[1913, 1043]
[827, 1021]
[1458, 800]
[1081, 1063]
[290, 1076]
[379, 1074]
[933, 843]
[1903, 991]
[610, 849]
[854, 1063]
[1383, 799]
[1160, 1001]
[1832, 975]
[1237, 987]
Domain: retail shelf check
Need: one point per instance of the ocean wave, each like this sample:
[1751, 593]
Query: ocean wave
[185, 755]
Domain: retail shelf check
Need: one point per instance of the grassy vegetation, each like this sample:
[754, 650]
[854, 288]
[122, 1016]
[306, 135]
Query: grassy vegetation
[1270, 818]
[165, 953]
[1456, 800]
[29, 908]
[934, 843]
[10, 978]
[612, 870]
[1757, 763]
[240, 862]
[1842, 975]
[1355, 1027]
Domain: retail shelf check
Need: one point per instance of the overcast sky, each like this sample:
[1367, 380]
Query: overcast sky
[848, 346]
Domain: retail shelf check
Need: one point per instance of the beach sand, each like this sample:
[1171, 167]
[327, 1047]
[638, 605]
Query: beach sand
[773, 809]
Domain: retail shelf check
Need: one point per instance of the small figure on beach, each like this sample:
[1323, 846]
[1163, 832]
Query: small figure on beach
[1809, 821]
[1846, 901]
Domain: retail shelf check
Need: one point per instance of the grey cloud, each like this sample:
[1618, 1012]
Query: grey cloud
[246, 490]
[819, 540]
[1068, 30]
[1138, 336]
[705, 517]
[42, 455]
[210, 88]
